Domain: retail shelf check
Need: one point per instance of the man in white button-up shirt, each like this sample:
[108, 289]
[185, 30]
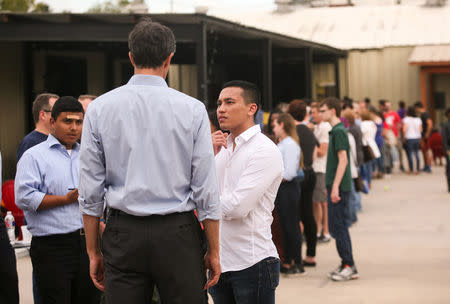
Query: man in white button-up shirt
[249, 167]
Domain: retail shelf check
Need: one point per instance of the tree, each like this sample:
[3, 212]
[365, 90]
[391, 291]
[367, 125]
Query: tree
[24, 6]
[16, 5]
[41, 7]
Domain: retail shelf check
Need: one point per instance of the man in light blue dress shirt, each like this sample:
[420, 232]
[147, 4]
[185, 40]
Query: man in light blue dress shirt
[46, 190]
[150, 147]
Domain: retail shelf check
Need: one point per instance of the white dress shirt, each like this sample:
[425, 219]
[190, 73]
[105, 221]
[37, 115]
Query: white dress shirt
[249, 178]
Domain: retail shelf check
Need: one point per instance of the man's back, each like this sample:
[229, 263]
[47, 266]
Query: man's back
[147, 133]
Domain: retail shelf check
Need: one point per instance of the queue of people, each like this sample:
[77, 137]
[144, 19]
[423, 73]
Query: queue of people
[114, 190]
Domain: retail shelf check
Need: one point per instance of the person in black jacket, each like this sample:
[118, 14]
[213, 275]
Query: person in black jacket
[308, 143]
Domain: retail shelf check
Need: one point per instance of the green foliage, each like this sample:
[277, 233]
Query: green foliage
[41, 8]
[23, 6]
[16, 5]
[109, 7]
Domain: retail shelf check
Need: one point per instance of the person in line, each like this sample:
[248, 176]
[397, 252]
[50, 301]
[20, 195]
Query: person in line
[356, 160]
[288, 194]
[147, 149]
[427, 126]
[339, 183]
[46, 189]
[412, 130]
[308, 142]
[446, 144]
[42, 109]
[369, 131]
[320, 205]
[394, 124]
[9, 283]
[250, 169]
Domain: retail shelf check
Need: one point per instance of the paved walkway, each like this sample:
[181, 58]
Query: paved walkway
[401, 247]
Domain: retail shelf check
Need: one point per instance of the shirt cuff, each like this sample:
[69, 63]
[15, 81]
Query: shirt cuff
[36, 200]
[213, 213]
[92, 209]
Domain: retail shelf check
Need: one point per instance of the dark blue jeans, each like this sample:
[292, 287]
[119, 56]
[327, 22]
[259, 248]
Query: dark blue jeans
[412, 148]
[339, 220]
[253, 285]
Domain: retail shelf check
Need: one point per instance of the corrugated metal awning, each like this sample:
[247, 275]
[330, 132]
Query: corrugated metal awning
[430, 55]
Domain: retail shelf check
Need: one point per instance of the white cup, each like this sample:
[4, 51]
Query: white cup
[26, 234]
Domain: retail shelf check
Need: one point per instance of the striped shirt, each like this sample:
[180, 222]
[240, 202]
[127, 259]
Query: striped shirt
[48, 168]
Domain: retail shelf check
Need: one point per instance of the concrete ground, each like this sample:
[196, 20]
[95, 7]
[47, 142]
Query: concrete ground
[401, 246]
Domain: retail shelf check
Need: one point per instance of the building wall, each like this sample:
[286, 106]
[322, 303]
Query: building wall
[323, 76]
[383, 74]
[12, 104]
[95, 62]
[183, 77]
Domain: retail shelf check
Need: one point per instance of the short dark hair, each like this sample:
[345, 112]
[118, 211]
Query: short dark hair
[382, 102]
[411, 111]
[150, 43]
[297, 108]
[41, 103]
[418, 104]
[66, 104]
[250, 91]
[367, 100]
[332, 103]
[401, 104]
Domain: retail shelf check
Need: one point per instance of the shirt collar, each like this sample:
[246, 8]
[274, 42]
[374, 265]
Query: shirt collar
[53, 142]
[151, 80]
[339, 125]
[246, 135]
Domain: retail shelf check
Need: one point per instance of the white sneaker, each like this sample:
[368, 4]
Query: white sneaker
[345, 274]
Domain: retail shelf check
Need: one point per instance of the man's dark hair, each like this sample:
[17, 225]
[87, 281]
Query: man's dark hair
[150, 43]
[348, 104]
[411, 111]
[332, 103]
[418, 104]
[382, 102]
[297, 108]
[367, 100]
[66, 104]
[401, 104]
[250, 91]
[41, 104]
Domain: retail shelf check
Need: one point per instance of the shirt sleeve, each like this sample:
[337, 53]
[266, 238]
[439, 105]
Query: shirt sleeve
[91, 190]
[264, 168]
[341, 141]
[27, 184]
[291, 160]
[204, 184]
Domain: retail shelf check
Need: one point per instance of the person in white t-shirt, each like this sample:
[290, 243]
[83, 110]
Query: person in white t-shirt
[321, 131]
[250, 169]
[412, 130]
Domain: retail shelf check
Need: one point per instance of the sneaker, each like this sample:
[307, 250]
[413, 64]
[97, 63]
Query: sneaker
[337, 270]
[324, 239]
[295, 271]
[347, 273]
[283, 269]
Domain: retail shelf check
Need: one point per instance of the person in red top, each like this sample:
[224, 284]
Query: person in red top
[393, 122]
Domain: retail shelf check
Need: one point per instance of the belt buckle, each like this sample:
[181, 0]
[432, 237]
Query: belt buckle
[81, 231]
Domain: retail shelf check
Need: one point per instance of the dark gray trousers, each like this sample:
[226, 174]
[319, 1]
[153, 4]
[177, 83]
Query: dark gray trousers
[161, 250]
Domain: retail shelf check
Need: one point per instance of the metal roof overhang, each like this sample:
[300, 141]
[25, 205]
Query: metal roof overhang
[430, 55]
[116, 27]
